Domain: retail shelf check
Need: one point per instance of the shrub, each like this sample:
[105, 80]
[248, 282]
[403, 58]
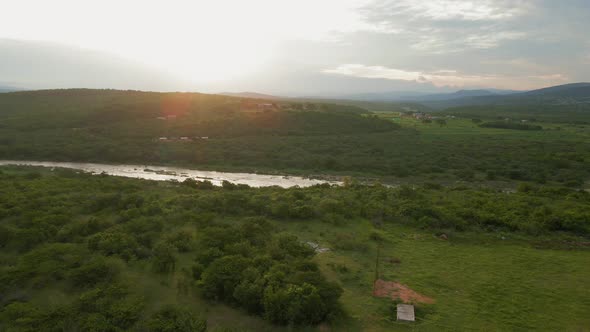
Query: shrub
[164, 259]
[174, 318]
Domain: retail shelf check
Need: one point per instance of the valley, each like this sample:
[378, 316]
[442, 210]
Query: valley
[131, 210]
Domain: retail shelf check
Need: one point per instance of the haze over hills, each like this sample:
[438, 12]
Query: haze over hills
[567, 94]
[570, 95]
[38, 65]
[458, 94]
[46, 65]
[33, 65]
[567, 90]
[7, 88]
[252, 95]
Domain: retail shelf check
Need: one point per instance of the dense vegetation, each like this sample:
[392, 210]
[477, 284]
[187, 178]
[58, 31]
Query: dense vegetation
[267, 275]
[246, 265]
[82, 252]
[302, 138]
[572, 114]
[491, 217]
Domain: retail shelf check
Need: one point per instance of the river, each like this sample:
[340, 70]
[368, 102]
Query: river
[162, 173]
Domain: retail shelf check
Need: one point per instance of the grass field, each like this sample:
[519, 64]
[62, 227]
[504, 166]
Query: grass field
[480, 282]
[550, 154]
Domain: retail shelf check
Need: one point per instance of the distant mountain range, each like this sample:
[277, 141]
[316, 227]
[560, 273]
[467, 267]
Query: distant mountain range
[4, 88]
[574, 94]
[568, 94]
[415, 96]
[43, 65]
[252, 95]
[458, 94]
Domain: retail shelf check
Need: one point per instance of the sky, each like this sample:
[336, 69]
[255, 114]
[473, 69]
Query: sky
[295, 47]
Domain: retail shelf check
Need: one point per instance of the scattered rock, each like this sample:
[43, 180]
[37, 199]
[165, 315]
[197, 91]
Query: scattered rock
[317, 247]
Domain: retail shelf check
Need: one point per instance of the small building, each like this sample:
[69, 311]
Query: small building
[266, 107]
[405, 312]
[422, 116]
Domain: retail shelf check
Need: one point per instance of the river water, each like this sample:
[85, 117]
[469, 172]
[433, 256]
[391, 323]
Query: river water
[161, 173]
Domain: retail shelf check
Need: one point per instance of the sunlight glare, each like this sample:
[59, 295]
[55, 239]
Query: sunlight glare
[200, 41]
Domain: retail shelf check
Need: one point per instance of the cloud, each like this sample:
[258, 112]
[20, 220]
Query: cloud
[449, 78]
[358, 70]
[448, 26]
[481, 10]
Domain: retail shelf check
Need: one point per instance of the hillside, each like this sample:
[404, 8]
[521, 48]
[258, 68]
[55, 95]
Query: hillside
[455, 95]
[135, 126]
[568, 94]
[562, 90]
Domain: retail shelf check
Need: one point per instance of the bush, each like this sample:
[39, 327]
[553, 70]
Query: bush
[164, 259]
[93, 272]
[174, 318]
[114, 243]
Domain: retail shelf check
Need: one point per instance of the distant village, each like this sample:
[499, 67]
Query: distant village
[423, 116]
[181, 139]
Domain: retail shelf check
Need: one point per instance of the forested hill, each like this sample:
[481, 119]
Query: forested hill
[150, 114]
[134, 126]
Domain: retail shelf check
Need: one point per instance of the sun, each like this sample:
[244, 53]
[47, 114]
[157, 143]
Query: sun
[202, 41]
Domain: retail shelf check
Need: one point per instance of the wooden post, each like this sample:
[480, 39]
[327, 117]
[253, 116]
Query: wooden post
[377, 265]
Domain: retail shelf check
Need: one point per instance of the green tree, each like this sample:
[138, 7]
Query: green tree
[294, 304]
[220, 278]
[174, 318]
[164, 259]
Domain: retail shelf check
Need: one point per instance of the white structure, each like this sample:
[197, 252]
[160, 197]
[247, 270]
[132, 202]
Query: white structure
[405, 312]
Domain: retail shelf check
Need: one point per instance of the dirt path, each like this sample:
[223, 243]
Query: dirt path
[396, 290]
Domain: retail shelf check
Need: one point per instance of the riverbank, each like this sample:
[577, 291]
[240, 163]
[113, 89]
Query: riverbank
[167, 173]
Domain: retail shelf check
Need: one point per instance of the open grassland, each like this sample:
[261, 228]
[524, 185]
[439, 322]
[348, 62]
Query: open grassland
[479, 281]
[493, 154]
[77, 250]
